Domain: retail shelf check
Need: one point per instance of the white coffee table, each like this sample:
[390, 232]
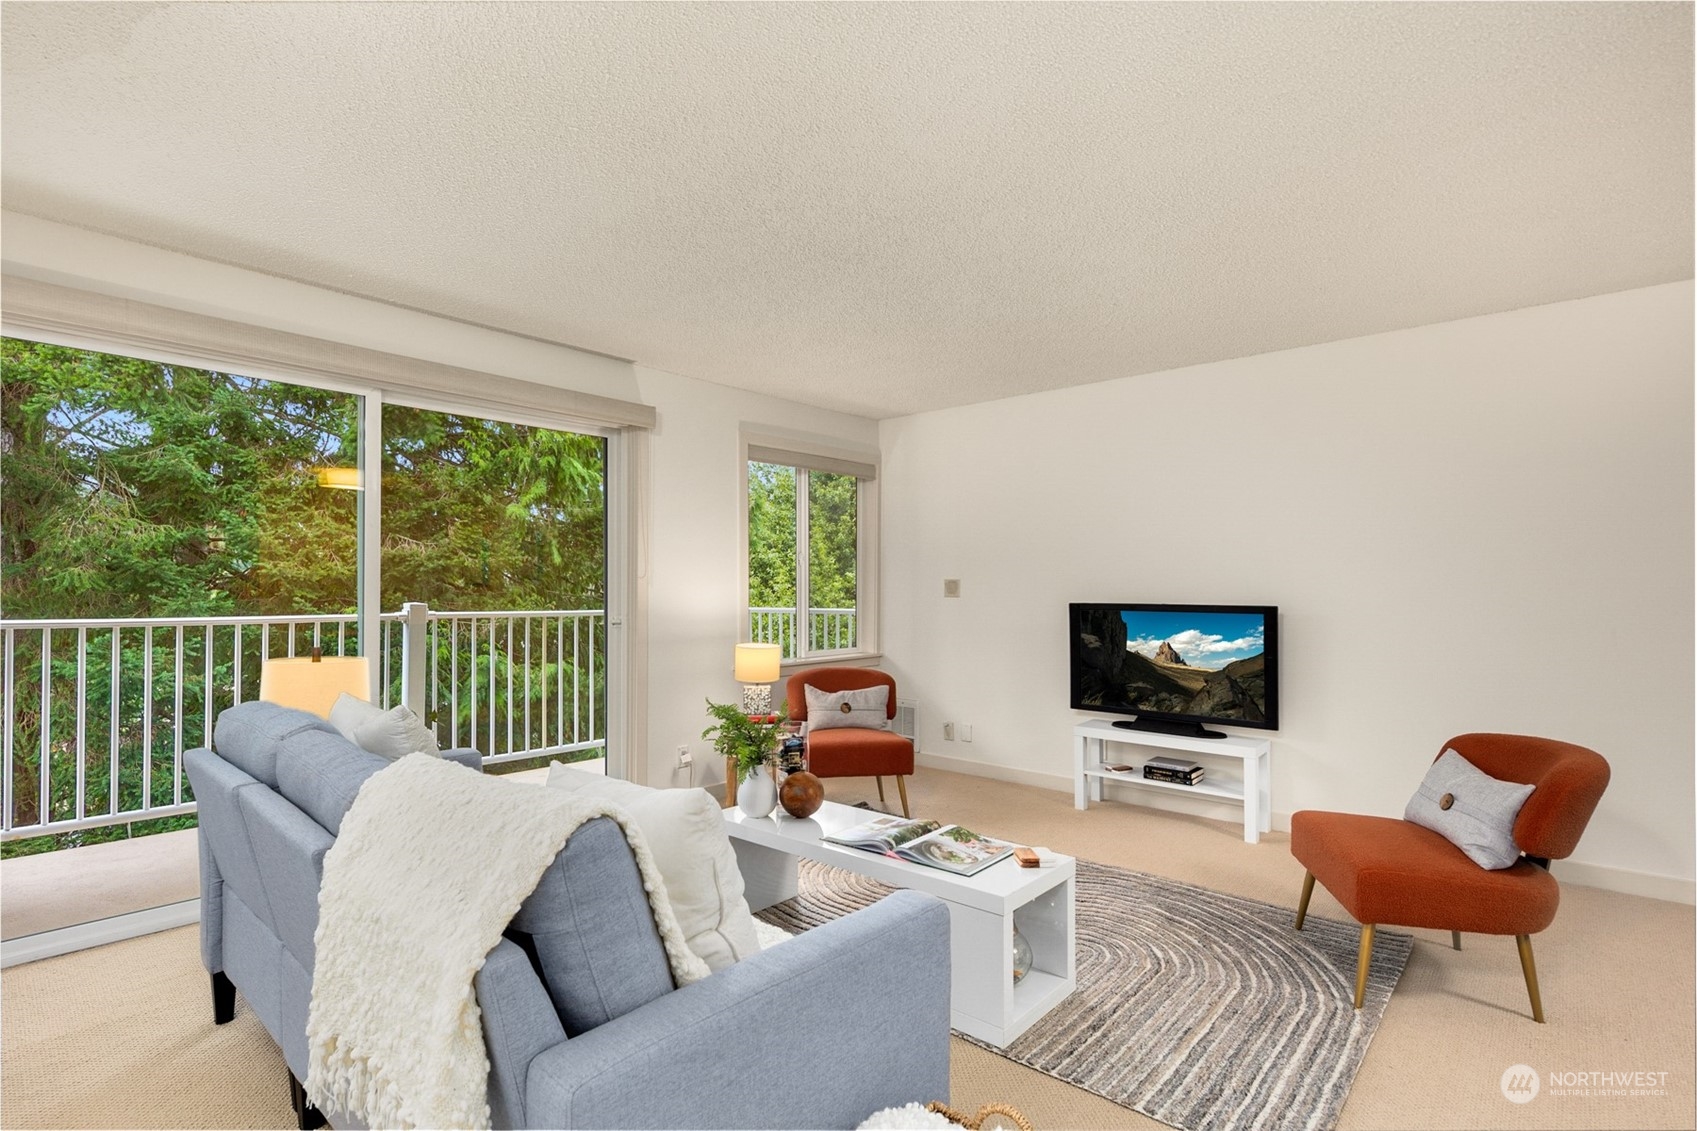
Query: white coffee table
[983, 909]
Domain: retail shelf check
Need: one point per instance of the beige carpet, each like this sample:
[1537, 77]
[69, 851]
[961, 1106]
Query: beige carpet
[121, 1036]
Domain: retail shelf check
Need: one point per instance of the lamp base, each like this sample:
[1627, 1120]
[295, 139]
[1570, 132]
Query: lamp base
[757, 699]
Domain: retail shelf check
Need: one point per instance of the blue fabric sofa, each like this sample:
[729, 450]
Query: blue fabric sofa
[582, 1022]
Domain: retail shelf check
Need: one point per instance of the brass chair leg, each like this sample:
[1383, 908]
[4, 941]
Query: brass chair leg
[880, 782]
[1530, 969]
[901, 788]
[1307, 892]
[1362, 962]
[1455, 939]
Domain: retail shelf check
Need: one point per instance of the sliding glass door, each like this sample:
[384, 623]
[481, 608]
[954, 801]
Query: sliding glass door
[165, 529]
[500, 531]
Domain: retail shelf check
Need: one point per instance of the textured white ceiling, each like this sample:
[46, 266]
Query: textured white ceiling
[880, 208]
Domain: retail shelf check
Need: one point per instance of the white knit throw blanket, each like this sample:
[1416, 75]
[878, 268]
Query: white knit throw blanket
[432, 862]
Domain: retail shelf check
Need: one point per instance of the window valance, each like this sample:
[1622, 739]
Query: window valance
[31, 306]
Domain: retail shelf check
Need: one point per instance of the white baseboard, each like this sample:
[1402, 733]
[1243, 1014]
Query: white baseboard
[47, 944]
[1624, 880]
[1059, 782]
[1673, 889]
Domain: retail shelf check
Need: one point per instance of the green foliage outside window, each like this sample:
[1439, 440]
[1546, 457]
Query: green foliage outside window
[833, 534]
[131, 488]
[771, 535]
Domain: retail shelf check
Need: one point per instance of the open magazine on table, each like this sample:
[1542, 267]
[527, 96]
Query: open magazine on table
[949, 847]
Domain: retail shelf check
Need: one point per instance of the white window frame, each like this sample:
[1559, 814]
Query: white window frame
[807, 454]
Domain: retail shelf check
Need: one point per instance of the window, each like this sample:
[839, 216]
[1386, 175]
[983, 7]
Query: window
[811, 520]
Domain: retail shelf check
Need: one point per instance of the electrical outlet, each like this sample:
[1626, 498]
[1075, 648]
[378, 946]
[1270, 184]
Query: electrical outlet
[685, 758]
[966, 732]
[948, 732]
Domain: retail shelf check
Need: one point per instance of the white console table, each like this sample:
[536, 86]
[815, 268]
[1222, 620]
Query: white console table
[1090, 741]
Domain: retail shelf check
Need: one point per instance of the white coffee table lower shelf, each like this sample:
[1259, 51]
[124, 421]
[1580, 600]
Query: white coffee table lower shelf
[984, 1002]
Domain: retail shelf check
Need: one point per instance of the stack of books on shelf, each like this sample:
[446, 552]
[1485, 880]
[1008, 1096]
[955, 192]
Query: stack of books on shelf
[1175, 770]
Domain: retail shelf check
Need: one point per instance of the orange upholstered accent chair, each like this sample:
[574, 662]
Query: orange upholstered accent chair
[853, 752]
[1390, 871]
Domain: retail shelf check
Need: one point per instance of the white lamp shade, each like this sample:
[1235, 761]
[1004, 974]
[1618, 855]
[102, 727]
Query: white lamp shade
[314, 685]
[758, 663]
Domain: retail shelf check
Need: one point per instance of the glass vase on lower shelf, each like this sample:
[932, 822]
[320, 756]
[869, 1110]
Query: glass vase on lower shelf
[1022, 957]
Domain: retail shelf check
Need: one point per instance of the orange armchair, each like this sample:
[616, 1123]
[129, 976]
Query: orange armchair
[852, 752]
[1390, 871]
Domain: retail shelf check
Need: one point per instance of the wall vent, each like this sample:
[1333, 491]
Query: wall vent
[906, 721]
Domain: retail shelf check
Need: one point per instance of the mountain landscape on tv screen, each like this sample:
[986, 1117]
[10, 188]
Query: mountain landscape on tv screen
[1116, 677]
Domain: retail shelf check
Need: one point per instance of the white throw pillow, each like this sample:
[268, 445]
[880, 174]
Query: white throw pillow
[867, 707]
[390, 734]
[685, 830]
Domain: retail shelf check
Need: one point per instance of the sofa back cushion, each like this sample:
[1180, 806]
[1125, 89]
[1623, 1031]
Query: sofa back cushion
[320, 773]
[590, 931]
[251, 735]
[685, 830]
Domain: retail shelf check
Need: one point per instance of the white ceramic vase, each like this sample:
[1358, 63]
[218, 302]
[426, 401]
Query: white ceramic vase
[758, 795]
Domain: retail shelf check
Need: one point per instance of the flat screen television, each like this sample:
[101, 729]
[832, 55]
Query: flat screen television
[1177, 668]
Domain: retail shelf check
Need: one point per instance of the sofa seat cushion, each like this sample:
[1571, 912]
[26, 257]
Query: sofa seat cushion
[1388, 871]
[853, 753]
[685, 830]
[251, 736]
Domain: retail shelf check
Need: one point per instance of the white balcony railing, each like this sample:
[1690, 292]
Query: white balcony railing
[828, 630]
[98, 713]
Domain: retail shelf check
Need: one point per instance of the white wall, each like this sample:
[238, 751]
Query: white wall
[695, 526]
[1479, 525]
[690, 551]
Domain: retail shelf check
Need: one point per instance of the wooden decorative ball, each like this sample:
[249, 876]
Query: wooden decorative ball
[801, 794]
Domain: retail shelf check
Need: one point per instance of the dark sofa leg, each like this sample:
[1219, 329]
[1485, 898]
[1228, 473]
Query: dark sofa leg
[223, 998]
[307, 1117]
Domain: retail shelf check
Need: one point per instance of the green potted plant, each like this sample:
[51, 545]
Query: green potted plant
[749, 741]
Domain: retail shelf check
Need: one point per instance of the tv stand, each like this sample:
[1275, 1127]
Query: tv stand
[1165, 726]
[1090, 741]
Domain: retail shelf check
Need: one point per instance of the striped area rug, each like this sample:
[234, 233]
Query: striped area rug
[1205, 1011]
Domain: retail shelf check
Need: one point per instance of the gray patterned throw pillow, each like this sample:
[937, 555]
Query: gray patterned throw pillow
[1469, 808]
[864, 707]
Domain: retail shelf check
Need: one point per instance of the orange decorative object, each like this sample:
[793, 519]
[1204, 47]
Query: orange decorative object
[801, 794]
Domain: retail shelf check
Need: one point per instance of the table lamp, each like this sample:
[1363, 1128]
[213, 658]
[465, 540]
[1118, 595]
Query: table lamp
[313, 683]
[757, 670]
